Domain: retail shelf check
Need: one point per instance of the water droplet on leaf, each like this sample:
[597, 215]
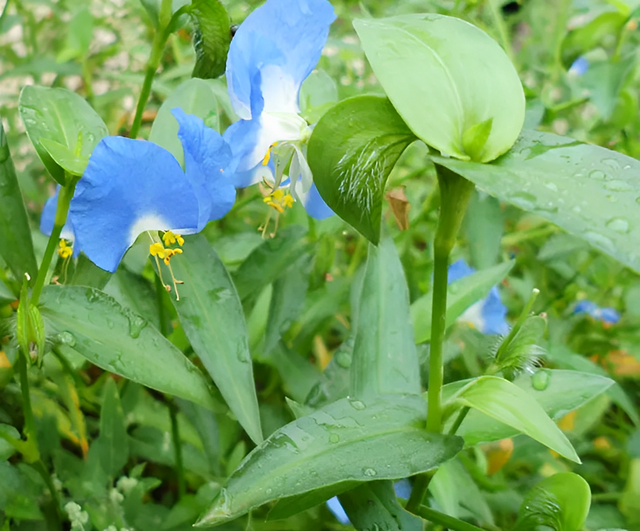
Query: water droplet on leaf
[540, 380]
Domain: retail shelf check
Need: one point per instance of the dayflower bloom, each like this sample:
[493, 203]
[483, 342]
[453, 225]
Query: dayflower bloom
[487, 315]
[271, 54]
[133, 186]
[579, 67]
[606, 315]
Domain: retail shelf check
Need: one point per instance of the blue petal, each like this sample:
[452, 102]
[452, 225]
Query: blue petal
[459, 270]
[315, 205]
[579, 66]
[587, 307]
[276, 48]
[494, 314]
[403, 489]
[129, 186]
[609, 315]
[48, 216]
[206, 159]
[334, 506]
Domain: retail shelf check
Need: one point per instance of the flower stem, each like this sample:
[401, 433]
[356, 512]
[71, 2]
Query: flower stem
[177, 447]
[64, 199]
[455, 192]
[159, 41]
[29, 430]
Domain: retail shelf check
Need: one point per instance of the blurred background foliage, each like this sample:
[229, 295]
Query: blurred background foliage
[99, 49]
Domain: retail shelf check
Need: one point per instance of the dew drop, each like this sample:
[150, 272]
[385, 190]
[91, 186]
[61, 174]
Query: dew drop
[334, 438]
[524, 200]
[540, 380]
[619, 225]
[66, 338]
[343, 358]
[551, 186]
[599, 240]
[136, 324]
[598, 175]
[369, 472]
[612, 163]
[356, 404]
[618, 185]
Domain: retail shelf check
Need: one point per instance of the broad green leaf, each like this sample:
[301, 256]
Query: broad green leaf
[556, 391]
[453, 84]
[509, 404]
[589, 191]
[298, 375]
[211, 39]
[267, 261]
[286, 507]
[113, 443]
[374, 505]
[348, 440]
[560, 502]
[6, 296]
[589, 36]
[287, 301]
[318, 94]
[15, 234]
[384, 355]
[64, 117]
[212, 317]
[65, 157]
[79, 35]
[88, 274]
[461, 294]
[456, 493]
[95, 326]
[352, 150]
[194, 96]
[604, 81]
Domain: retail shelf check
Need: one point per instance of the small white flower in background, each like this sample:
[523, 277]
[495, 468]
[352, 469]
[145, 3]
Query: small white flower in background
[126, 484]
[77, 516]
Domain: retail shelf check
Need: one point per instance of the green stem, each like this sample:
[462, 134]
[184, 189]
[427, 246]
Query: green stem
[39, 467]
[455, 192]
[64, 199]
[461, 416]
[503, 32]
[445, 520]
[159, 41]
[177, 447]
[31, 452]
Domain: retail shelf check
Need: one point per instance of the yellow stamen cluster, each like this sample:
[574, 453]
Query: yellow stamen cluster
[279, 200]
[267, 157]
[164, 253]
[160, 252]
[64, 250]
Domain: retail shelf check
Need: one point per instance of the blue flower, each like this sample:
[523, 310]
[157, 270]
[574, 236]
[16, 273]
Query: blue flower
[579, 66]
[134, 186]
[488, 315]
[271, 54]
[606, 315]
[335, 507]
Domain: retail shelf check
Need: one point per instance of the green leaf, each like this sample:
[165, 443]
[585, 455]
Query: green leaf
[374, 505]
[351, 152]
[287, 301]
[212, 317]
[63, 117]
[88, 274]
[211, 39]
[483, 227]
[557, 392]
[95, 326]
[113, 442]
[64, 157]
[509, 404]
[286, 507]
[79, 35]
[15, 234]
[298, 375]
[560, 502]
[6, 295]
[604, 81]
[589, 191]
[194, 96]
[267, 261]
[461, 294]
[384, 360]
[346, 441]
[460, 95]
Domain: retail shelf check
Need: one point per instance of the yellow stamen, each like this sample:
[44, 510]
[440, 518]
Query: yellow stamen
[157, 249]
[267, 157]
[64, 250]
[169, 238]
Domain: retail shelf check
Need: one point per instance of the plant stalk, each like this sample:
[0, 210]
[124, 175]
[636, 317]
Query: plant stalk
[64, 199]
[177, 447]
[455, 192]
[445, 520]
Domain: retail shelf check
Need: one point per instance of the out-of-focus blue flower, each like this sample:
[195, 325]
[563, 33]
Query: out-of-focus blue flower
[606, 315]
[403, 489]
[133, 186]
[488, 315]
[579, 66]
[336, 508]
[271, 54]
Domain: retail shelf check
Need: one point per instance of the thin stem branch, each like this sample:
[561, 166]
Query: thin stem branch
[29, 423]
[177, 447]
[64, 199]
[445, 520]
[503, 31]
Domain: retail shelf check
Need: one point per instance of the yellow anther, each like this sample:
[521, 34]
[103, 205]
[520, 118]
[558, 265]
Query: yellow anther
[279, 200]
[64, 250]
[170, 253]
[288, 200]
[169, 238]
[157, 249]
[267, 157]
